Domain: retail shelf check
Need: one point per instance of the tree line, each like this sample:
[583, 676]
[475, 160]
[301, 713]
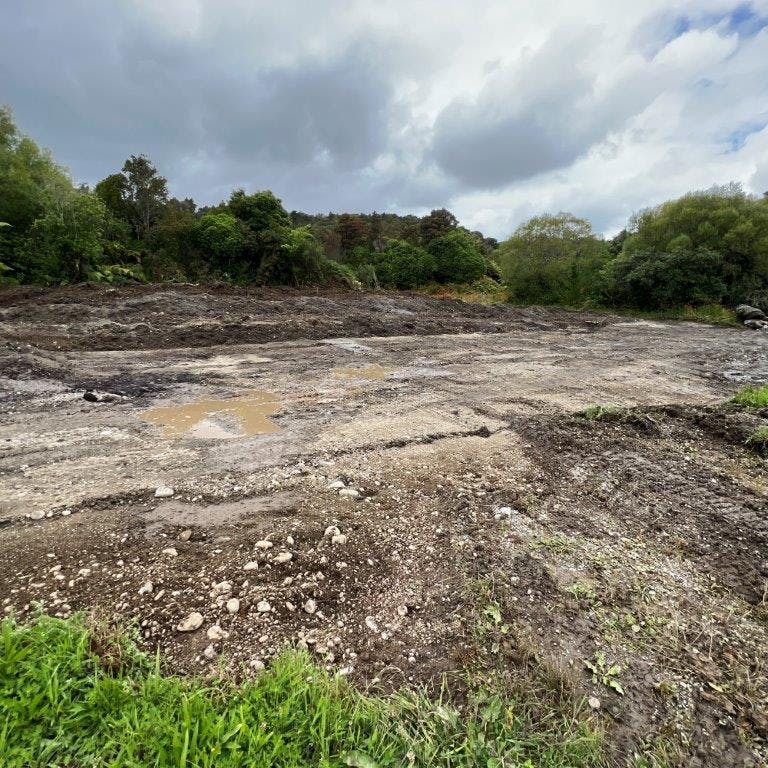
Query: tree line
[706, 247]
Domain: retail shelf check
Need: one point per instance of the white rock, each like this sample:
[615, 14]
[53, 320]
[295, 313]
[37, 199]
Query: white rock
[215, 633]
[251, 566]
[370, 622]
[163, 492]
[331, 530]
[222, 588]
[283, 557]
[233, 605]
[146, 588]
[339, 538]
[336, 485]
[289, 541]
[36, 515]
[594, 702]
[191, 623]
[264, 544]
[349, 493]
[185, 535]
[402, 610]
[209, 653]
[171, 552]
[310, 606]
[263, 606]
[257, 665]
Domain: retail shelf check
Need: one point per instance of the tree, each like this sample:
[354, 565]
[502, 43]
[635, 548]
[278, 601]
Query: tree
[145, 194]
[651, 280]
[438, 223]
[298, 261]
[223, 238]
[262, 211]
[353, 233]
[113, 191]
[403, 265]
[722, 219]
[67, 243]
[457, 257]
[553, 259]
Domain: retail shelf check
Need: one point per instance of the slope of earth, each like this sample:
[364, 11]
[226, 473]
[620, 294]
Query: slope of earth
[413, 498]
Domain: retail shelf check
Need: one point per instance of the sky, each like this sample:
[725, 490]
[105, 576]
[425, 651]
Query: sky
[498, 111]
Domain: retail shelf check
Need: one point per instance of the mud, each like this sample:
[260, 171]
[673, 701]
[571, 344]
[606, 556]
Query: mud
[444, 477]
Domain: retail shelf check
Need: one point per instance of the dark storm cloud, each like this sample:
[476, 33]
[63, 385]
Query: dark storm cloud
[96, 82]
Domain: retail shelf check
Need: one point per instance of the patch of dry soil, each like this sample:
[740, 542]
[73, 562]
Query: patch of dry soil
[450, 513]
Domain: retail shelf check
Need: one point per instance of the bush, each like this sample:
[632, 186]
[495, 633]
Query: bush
[553, 259]
[297, 259]
[650, 280]
[402, 265]
[751, 397]
[341, 275]
[457, 257]
[221, 237]
[366, 274]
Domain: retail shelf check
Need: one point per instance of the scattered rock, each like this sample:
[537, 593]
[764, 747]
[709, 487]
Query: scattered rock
[331, 530]
[170, 552]
[146, 588]
[370, 622]
[216, 633]
[339, 538]
[756, 325]
[210, 653]
[222, 588]
[263, 606]
[233, 605]
[252, 565]
[264, 544]
[191, 623]
[257, 665]
[91, 396]
[402, 610]
[350, 493]
[336, 485]
[310, 606]
[163, 492]
[594, 702]
[185, 535]
[36, 515]
[283, 557]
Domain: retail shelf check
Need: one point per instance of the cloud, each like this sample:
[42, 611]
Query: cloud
[497, 110]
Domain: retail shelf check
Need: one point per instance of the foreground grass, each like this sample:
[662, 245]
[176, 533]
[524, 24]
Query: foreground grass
[73, 695]
[751, 397]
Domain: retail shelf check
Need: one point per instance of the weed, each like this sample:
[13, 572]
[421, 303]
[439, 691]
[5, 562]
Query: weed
[601, 412]
[605, 673]
[751, 397]
[758, 440]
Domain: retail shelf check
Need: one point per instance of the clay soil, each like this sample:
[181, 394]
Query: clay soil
[449, 513]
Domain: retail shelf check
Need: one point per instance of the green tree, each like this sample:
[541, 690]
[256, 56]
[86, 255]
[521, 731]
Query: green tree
[652, 280]
[145, 194]
[436, 224]
[298, 261]
[67, 243]
[457, 257]
[403, 265]
[262, 211]
[223, 239]
[724, 220]
[553, 259]
[354, 233]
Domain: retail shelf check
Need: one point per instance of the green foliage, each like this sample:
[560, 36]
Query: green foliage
[297, 260]
[553, 259]
[652, 280]
[601, 412]
[751, 397]
[366, 274]
[222, 238]
[74, 696]
[437, 224]
[457, 257]
[262, 211]
[758, 440]
[67, 242]
[145, 194]
[722, 220]
[402, 265]
[338, 274]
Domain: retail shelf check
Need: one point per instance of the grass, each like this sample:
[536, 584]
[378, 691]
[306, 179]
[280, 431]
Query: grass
[751, 397]
[75, 695]
[758, 440]
[601, 412]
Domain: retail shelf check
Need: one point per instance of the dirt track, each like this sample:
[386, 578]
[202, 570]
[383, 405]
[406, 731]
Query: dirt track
[441, 440]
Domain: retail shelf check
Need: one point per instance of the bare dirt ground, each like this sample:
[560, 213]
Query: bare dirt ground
[404, 486]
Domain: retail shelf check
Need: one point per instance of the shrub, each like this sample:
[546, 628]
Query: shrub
[457, 257]
[366, 274]
[651, 280]
[402, 265]
[335, 273]
[751, 397]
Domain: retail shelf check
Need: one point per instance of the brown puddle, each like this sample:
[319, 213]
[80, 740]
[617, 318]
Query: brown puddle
[218, 419]
[374, 371]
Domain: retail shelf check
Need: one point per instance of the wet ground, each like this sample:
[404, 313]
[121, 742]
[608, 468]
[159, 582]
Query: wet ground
[404, 486]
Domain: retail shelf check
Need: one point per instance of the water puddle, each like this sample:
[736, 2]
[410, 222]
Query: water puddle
[373, 372]
[212, 419]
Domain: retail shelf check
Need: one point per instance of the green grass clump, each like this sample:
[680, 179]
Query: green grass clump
[758, 440]
[751, 397]
[74, 696]
[601, 412]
